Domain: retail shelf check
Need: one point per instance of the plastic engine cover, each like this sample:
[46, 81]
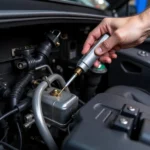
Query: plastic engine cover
[92, 129]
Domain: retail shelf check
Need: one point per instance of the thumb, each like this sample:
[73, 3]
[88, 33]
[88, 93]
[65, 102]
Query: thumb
[107, 45]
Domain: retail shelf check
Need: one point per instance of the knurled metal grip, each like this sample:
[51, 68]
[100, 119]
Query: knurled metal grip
[88, 60]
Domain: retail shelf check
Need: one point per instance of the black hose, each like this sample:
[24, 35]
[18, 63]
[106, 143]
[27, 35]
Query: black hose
[24, 104]
[19, 89]
[20, 135]
[41, 58]
[7, 145]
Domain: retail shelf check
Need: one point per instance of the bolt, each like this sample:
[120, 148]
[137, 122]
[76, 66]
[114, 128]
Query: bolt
[53, 60]
[57, 44]
[131, 108]
[35, 82]
[123, 121]
[59, 68]
[29, 124]
[28, 117]
[20, 65]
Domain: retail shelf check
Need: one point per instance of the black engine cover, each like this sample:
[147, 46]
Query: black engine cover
[96, 121]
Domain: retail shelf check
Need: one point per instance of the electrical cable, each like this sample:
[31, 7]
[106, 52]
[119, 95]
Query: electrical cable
[9, 113]
[7, 145]
[5, 134]
[81, 102]
[19, 108]
[20, 135]
[19, 132]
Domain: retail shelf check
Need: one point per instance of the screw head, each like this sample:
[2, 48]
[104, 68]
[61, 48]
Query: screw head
[124, 121]
[131, 108]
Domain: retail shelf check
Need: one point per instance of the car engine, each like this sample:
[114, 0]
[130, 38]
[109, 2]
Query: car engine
[35, 63]
[36, 60]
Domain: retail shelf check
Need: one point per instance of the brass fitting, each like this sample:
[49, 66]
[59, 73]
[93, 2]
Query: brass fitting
[57, 44]
[35, 82]
[55, 93]
[78, 71]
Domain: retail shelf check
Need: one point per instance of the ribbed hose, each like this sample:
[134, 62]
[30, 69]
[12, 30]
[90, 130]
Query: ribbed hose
[38, 114]
[19, 89]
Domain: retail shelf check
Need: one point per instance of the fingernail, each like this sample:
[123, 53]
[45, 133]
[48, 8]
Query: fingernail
[96, 65]
[98, 51]
[109, 61]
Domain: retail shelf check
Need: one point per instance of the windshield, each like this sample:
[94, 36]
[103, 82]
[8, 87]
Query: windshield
[100, 4]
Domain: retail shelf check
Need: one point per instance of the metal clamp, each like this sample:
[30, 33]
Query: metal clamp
[45, 66]
[46, 80]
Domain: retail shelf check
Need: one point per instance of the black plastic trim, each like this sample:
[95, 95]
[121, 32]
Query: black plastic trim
[7, 14]
[14, 16]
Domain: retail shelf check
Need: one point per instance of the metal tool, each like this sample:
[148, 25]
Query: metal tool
[86, 61]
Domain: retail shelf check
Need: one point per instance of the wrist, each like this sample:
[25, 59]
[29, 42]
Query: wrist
[145, 21]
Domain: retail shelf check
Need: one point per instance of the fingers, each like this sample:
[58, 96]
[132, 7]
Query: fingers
[112, 54]
[107, 45]
[117, 48]
[107, 57]
[93, 36]
[97, 63]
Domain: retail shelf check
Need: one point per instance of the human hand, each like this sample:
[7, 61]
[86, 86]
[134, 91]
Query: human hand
[124, 33]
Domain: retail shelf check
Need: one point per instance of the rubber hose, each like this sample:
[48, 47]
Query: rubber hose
[38, 114]
[43, 52]
[19, 89]
[24, 104]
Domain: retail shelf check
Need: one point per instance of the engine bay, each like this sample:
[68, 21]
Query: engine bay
[35, 63]
[36, 55]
